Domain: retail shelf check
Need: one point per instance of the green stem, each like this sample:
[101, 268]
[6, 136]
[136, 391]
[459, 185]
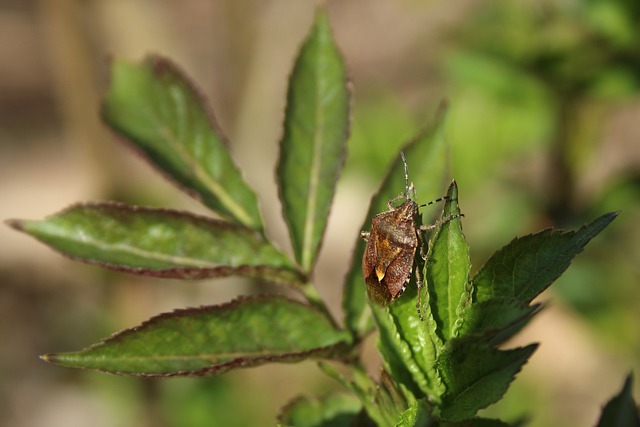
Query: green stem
[312, 295]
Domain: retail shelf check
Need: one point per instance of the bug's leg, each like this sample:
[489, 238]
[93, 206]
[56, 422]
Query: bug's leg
[440, 222]
[395, 199]
[365, 235]
[421, 240]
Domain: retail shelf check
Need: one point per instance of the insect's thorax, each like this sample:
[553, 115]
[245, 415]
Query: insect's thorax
[397, 227]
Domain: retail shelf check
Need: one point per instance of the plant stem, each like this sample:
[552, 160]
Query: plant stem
[311, 293]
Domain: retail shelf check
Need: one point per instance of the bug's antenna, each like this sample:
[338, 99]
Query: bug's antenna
[406, 174]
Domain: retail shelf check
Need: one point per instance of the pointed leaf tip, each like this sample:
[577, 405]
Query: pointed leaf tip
[50, 357]
[621, 410]
[208, 340]
[447, 268]
[155, 107]
[313, 145]
[528, 265]
[16, 224]
[161, 242]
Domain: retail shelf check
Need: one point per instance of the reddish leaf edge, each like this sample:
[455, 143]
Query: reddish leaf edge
[279, 276]
[334, 351]
[268, 274]
[148, 209]
[159, 65]
[337, 351]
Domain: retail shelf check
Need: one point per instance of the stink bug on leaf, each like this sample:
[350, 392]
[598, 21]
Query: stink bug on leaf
[389, 256]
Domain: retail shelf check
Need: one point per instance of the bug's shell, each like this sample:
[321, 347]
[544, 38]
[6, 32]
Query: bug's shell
[388, 257]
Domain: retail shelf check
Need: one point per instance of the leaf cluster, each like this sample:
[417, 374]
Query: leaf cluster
[445, 357]
[441, 363]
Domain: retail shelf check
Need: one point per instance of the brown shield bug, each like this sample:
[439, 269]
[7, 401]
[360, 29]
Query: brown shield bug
[389, 256]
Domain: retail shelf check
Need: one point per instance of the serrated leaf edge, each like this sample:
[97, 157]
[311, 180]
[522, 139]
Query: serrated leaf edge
[608, 218]
[330, 351]
[278, 275]
[527, 352]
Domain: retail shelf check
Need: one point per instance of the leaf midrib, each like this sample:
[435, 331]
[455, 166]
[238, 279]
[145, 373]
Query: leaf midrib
[451, 311]
[132, 250]
[199, 172]
[314, 176]
[210, 357]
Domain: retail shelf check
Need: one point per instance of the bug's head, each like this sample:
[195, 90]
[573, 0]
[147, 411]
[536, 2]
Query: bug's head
[407, 210]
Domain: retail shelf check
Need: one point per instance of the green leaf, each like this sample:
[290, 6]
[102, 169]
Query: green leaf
[477, 376]
[333, 410]
[418, 415]
[160, 242]
[155, 107]
[528, 265]
[621, 410]
[426, 158]
[421, 338]
[398, 357]
[214, 339]
[495, 320]
[448, 266]
[313, 146]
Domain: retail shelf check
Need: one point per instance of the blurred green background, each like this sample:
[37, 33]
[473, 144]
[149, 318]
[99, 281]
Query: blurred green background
[544, 128]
